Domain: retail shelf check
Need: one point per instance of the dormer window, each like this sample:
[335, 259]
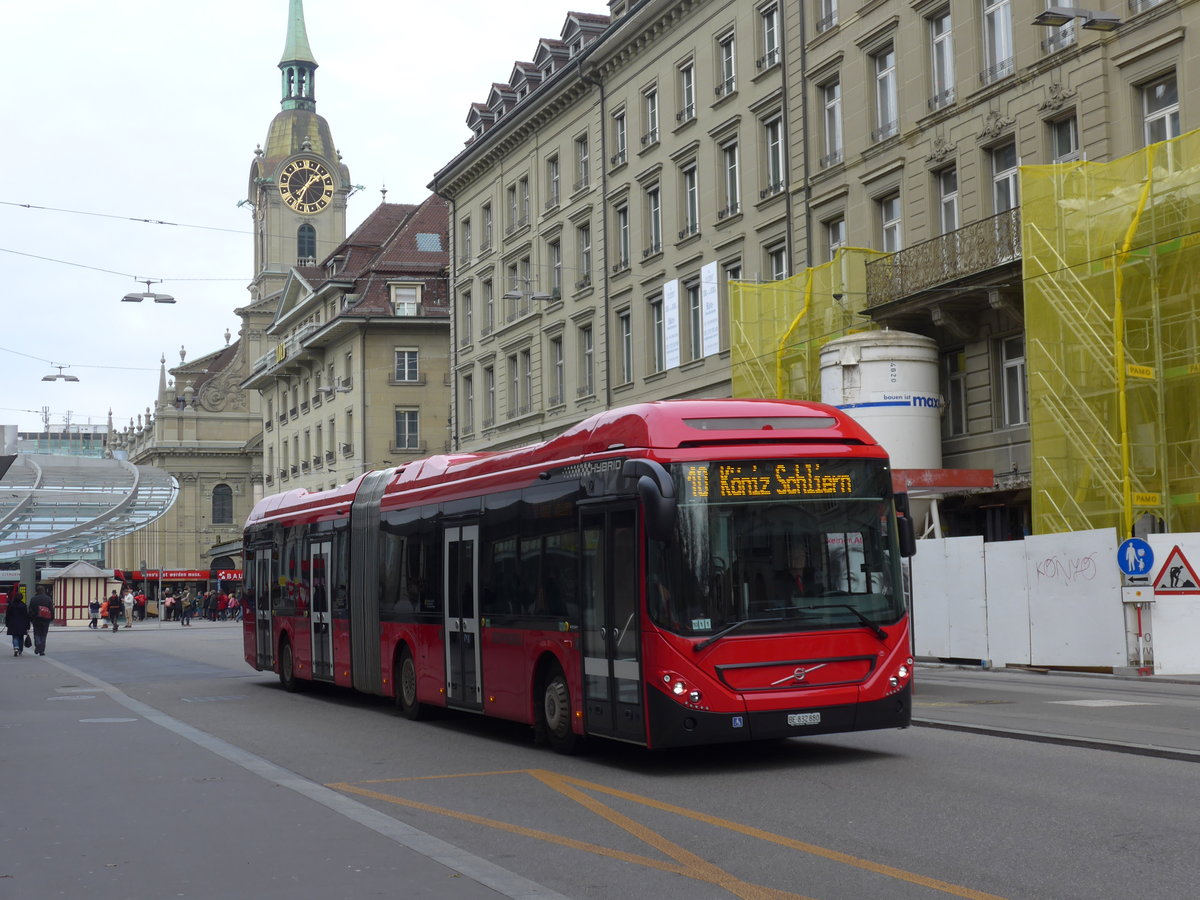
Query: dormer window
[406, 298]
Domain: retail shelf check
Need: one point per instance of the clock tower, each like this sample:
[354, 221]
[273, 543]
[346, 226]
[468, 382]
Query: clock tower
[298, 184]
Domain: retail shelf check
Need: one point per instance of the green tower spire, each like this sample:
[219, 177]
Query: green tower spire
[298, 66]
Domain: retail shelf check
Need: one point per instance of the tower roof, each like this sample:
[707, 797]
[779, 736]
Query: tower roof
[296, 49]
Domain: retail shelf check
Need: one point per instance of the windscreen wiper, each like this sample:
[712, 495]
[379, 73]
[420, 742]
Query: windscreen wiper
[728, 629]
[878, 632]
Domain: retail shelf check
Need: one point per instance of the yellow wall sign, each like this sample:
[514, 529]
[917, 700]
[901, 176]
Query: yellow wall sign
[1147, 499]
[1139, 371]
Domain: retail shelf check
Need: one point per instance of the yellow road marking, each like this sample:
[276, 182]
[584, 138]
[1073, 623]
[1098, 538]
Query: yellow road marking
[686, 863]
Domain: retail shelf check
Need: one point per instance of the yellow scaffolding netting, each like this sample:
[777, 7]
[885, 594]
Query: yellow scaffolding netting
[779, 327]
[1111, 256]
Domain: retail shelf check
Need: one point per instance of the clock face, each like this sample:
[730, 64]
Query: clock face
[306, 185]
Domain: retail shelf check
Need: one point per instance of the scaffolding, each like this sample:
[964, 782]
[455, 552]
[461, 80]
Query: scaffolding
[1111, 256]
[780, 327]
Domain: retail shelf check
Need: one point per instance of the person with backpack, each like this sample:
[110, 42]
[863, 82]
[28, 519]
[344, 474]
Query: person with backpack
[41, 614]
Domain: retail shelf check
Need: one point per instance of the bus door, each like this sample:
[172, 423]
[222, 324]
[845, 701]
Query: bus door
[612, 668]
[320, 569]
[267, 589]
[461, 582]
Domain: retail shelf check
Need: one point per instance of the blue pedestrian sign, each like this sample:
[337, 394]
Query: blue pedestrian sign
[1135, 558]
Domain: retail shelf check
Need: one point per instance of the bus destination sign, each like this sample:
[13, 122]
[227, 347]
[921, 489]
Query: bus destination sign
[771, 479]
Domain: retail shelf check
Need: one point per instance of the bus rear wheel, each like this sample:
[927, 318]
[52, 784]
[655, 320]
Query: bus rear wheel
[287, 668]
[556, 712]
[404, 687]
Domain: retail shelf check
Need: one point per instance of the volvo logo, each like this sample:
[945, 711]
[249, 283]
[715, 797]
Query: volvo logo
[798, 674]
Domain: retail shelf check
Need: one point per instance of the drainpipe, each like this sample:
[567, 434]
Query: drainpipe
[451, 299]
[591, 79]
[804, 152]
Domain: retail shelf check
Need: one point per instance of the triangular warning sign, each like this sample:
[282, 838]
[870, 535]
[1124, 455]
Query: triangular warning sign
[1176, 576]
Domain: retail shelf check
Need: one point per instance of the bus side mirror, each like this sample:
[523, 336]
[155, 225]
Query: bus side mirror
[657, 492]
[904, 526]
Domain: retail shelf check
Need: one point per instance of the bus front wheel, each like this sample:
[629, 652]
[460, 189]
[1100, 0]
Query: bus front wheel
[404, 686]
[556, 712]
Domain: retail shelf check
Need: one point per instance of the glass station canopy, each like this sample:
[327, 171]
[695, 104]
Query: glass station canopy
[52, 505]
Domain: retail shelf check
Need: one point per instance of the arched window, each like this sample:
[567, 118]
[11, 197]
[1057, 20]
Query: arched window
[306, 244]
[222, 505]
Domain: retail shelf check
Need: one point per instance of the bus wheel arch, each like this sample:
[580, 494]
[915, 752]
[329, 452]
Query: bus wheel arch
[404, 684]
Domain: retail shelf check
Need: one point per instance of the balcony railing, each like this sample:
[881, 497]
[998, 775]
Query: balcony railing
[971, 250]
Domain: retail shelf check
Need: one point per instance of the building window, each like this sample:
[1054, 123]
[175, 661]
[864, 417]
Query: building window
[691, 201]
[653, 221]
[947, 188]
[695, 320]
[889, 224]
[726, 66]
[887, 116]
[651, 111]
[625, 332]
[997, 40]
[489, 308]
[407, 366]
[831, 99]
[222, 505]
[466, 415]
[554, 251]
[582, 163]
[1064, 140]
[514, 387]
[954, 388]
[658, 333]
[558, 372]
[406, 299]
[769, 16]
[513, 215]
[489, 396]
[687, 93]
[485, 242]
[1012, 381]
[777, 262]
[408, 435]
[775, 161]
[835, 235]
[583, 241]
[306, 245]
[827, 15]
[729, 180]
[587, 350]
[525, 362]
[552, 182]
[466, 322]
[523, 200]
[620, 140]
[942, 62]
[1005, 178]
[621, 225]
[464, 242]
[1160, 110]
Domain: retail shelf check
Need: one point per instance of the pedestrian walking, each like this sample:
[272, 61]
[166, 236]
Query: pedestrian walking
[185, 609]
[127, 603]
[41, 614]
[93, 613]
[113, 610]
[17, 622]
[106, 609]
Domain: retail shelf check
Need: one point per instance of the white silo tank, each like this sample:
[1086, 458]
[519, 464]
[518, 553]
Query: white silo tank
[888, 382]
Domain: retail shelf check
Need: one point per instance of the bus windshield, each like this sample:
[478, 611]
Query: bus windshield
[778, 545]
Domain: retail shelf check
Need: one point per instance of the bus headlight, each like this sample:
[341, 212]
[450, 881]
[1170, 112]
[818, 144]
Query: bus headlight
[679, 688]
[900, 678]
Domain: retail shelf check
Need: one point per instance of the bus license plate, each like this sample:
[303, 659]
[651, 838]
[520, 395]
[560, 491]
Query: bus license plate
[813, 718]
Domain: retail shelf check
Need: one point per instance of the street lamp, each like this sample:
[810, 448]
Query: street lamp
[147, 294]
[1093, 20]
[60, 376]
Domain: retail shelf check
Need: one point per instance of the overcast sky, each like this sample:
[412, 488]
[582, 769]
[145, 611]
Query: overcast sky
[132, 110]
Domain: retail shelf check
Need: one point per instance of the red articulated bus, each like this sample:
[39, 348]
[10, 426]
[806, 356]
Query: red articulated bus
[668, 574]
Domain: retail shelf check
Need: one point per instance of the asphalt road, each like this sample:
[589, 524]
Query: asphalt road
[155, 763]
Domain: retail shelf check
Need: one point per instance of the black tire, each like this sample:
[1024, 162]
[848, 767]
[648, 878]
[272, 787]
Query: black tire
[556, 712]
[287, 667]
[404, 687]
